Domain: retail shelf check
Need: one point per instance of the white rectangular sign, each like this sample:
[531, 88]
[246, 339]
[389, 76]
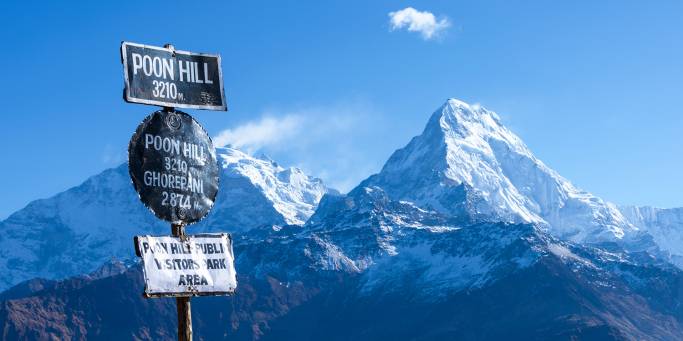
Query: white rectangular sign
[200, 265]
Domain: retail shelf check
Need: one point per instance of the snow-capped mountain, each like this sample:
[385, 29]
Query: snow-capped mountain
[76, 231]
[664, 225]
[256, 192]
[466, 163]
[369, 267]
[367, 232]
[464, 234]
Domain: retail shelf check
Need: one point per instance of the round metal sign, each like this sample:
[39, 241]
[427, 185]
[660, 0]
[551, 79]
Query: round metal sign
[173, 166]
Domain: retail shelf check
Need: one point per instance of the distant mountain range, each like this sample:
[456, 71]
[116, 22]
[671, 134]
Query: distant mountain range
[78, 230]
[464, 234]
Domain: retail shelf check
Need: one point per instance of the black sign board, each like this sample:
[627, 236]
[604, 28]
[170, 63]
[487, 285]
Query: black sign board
[173, 166]
[166, 77]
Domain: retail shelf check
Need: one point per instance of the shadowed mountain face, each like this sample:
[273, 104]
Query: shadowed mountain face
[483, 281]
[464, 234]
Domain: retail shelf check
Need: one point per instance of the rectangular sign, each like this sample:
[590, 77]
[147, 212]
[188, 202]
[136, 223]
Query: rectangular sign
[171, 78]
[201, 265]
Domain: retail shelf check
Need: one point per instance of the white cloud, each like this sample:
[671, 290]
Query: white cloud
[335, 142]
[266, 132]
[112, 155]
[415, 21]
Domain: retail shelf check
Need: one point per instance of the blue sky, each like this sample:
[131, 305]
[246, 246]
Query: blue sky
[593, 87]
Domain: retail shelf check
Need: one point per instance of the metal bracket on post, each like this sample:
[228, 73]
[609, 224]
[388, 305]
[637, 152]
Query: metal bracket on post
[170, 47]
[178, 230]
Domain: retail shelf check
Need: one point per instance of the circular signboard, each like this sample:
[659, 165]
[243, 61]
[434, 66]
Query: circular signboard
[173, 166]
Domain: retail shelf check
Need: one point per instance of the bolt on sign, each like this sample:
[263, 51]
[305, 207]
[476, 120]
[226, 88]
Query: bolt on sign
[172, 163]
[199, 265]
[166, 77]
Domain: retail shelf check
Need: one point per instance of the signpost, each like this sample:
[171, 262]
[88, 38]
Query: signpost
[200, 264]
[166, 77]
[172, 164]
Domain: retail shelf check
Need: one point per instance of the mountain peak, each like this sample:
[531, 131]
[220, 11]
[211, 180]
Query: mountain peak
[467, 163]
[455, 111]
[292, 194]
[473, 124]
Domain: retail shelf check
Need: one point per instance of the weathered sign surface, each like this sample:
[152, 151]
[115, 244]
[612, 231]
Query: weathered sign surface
[199, 265]
[165, 77]
[172, 163]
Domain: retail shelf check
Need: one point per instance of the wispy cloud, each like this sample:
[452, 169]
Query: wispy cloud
[113, 155]
[330, 141]
[268, 131]
[413, 20]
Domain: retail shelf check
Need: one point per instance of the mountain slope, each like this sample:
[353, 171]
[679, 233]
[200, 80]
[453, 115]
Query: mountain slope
[665, 226]
[255, 192]
[77, 230]
[374, 268]
[464, 234]
[466, 163]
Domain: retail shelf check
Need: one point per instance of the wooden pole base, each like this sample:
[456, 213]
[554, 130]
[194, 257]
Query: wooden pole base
[183, 303]
[184, 319]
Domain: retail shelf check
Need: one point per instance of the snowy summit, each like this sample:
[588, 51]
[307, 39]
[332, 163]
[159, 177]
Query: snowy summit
[467, 163]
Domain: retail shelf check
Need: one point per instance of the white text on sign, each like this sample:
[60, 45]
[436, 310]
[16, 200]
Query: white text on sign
[203, 263]
[164, 68]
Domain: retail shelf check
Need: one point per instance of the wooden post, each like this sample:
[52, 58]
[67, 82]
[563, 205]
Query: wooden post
[183, 303]
[184, 319]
